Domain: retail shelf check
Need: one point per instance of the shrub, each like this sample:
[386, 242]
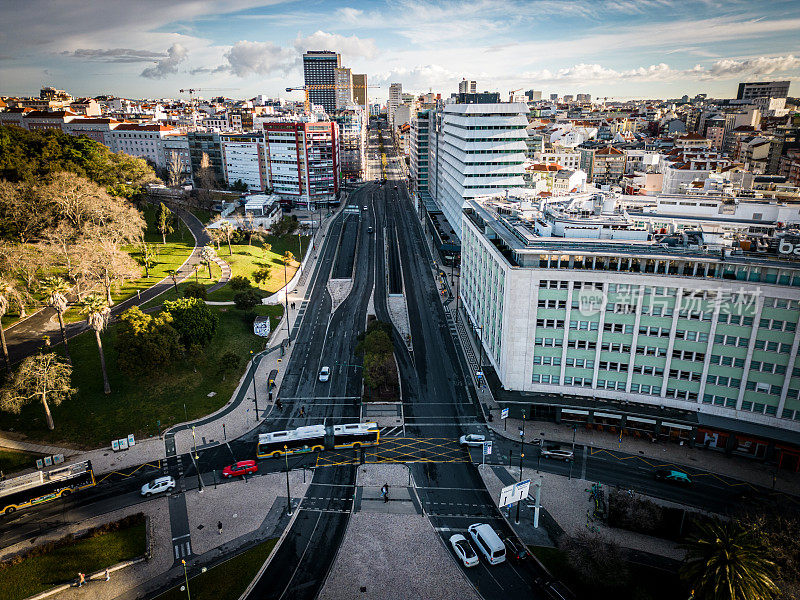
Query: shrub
[194, 321]
[195, 290]
[247, 299]
[240, 282]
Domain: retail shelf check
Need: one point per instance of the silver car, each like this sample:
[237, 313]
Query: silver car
[464, 550]
[472, 439]
[558, 454]
[158, 485]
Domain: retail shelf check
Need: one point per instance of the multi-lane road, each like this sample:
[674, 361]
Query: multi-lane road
[439, 405]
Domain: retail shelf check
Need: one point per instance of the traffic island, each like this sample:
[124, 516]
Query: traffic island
[381, 381]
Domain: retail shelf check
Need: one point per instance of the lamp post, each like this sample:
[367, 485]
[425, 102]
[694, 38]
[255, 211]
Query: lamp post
[186, 578]
[255, 388]
[521, 456]
[288, 491]
[300, 243]
[286, 301]
[574, 431]
[197, 463]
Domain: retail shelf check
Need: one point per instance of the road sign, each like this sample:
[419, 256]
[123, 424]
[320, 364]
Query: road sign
[504, 413]
[514, 493]
[487, 448]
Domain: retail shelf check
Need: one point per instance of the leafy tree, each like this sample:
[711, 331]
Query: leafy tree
[57, 289]
[595, 561]
[195, 290]
[10, 293]
[238, 186]
[146, 343]
[262, 274]
[247, 299]
[728, 561]
[240, 282]
[378, 370]
[97, 314]
[194, 321]
[164, 222]
[207, 256]
[41, 377]
[286, 226]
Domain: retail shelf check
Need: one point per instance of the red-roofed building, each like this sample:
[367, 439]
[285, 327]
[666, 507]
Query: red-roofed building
[144, 141]
[14, 116]
[97, 129]
[603, 166]
[40, 119]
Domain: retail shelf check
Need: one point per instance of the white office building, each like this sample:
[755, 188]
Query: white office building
[244, 158]
[475, 150]
[395, 98]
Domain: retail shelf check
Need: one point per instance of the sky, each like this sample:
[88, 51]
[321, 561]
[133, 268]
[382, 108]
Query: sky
[240, 48]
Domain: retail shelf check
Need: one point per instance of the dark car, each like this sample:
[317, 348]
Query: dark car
[673, 476]
[515, 550]
[395, 187]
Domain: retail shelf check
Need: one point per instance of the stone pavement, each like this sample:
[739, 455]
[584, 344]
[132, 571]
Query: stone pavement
[386, 556]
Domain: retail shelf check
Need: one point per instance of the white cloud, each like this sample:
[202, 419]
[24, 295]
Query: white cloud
[419, 78]
[176, 54]
[259, 58]
[351, 47]
[114, 55]
[762, 65]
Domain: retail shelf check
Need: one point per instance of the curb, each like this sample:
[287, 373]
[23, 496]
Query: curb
[98, 576]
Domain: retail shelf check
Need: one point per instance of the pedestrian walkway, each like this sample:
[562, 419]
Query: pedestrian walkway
[33, 448]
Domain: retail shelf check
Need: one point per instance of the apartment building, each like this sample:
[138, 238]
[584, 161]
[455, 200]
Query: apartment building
[763, 89]
[666, 338]
[352, 141]
[395, 98]
[360, 96]
[603, 166]
[319, 69]
[244, 159]
[143, 141]
[467, 86]
[344, 88]
[420, 132]
[303, 161]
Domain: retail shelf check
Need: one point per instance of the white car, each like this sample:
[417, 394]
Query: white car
[464, 551]
[472, 439]
[158, 485]
[324, 373]
[558, 454]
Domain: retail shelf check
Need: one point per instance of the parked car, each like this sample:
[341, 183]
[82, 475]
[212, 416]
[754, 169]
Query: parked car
[240, 469]
[558, 454]
[673, 476]
[472, 439]
[515, 550]
[464, 550]
[158, 485]
[324, 374]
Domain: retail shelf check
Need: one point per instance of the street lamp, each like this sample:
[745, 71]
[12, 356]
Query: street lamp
[186, 578]
[255, 388]
[286, 301]
[521, 456]
[288, 491]
[574, 431]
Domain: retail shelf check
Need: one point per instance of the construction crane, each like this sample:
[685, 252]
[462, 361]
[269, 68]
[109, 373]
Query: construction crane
[192, 91]
[511, 94]
[322, 86]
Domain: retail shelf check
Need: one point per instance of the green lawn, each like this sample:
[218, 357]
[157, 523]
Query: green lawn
[92, 419]
[246, 260]
[201, 276]
[203, 215]
[15, 460]
[226, 581]
[646, 583]
[39, 573]
[169, 256]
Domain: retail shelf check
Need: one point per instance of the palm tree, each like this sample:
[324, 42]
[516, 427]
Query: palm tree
[10, 293]
[228, 230]
[728, 561]
[97, 312]
[57, 290]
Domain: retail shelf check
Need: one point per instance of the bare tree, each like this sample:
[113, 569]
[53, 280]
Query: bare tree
[41, 377]
[205, 174]
[207, 256]
[176, 167]
[57, 289]
[227, 229]
[97, 313]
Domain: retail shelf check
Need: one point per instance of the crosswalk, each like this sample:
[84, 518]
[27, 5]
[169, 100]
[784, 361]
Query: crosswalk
[182, 547]
[391, 431]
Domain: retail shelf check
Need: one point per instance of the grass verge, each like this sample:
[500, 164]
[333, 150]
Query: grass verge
[228, 580]
[61, 564]
[92, 419]
[644, 583]
[16, 460]
[246, 259]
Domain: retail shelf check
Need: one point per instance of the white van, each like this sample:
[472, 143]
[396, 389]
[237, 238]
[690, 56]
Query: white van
[488, 543]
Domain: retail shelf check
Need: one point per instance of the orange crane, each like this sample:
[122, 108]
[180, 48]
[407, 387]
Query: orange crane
[511, 94]
[322, 86]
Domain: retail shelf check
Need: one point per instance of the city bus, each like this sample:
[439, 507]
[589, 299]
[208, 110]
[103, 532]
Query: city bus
[43, 486]
[316, 438]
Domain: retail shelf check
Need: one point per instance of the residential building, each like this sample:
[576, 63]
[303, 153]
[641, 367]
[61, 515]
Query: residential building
[244, 159]
[42, 119]
[177, 156]
[143, 141]
[583, 98]
[467, 86]
[534, 95]
[344, 88]
[97, 129]
[553, 97]
[303, 161]
[205, 152]
[568, 160]
[662, 338]
[683, 167]
[352, 141]
[420, 131]
[603, 166]
[763, 89]
[475, 148]
[319, 69]
[395, 97]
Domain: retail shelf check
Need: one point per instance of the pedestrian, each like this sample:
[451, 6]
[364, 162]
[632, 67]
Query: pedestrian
[219, 527]
[81, 579]
[302, 411]
[108, 577]
[279, 404]
[385, 491]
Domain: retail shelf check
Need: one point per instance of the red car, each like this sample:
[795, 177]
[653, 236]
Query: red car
[240, 468]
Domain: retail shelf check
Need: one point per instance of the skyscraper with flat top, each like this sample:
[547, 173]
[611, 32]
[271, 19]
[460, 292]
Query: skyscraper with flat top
[319, 68]
[763, 89]
[467, 86]
[360, 90]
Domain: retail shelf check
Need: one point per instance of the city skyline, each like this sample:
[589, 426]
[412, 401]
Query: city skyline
[251, 47]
